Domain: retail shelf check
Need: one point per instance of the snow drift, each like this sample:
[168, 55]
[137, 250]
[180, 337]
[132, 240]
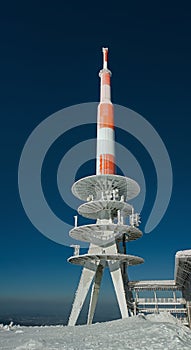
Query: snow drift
[150, 332]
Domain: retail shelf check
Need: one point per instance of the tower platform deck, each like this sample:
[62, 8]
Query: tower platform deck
[104, 208]
[97, 258]
[102, 234]
[102, 186]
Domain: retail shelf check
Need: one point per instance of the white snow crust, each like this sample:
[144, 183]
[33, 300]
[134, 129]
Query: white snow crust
[183, 253]
[150, 332]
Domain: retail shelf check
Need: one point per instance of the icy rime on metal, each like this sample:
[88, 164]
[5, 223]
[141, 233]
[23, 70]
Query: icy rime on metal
[105, 195]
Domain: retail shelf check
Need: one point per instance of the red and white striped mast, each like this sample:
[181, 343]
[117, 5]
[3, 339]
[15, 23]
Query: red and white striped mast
[105, 195]
[105, 123]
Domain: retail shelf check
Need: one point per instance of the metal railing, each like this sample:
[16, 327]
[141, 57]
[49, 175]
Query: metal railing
[157, 310]
[166, 301]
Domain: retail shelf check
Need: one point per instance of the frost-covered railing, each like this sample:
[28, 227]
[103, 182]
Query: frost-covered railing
[179, 312]
[153, 285]
[170, 301]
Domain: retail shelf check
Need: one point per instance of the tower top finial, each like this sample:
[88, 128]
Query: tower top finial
[105, 57]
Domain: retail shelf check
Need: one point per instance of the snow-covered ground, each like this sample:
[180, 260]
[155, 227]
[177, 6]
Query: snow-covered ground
[139, 332]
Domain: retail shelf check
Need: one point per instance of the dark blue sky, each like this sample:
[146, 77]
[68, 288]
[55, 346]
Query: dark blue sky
[50, 58]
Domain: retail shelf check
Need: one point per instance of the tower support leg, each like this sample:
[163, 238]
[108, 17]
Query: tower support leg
[95, 293]
[116, 275]
[85, 281]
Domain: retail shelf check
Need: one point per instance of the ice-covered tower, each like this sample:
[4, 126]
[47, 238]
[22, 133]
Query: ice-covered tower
[105, 195]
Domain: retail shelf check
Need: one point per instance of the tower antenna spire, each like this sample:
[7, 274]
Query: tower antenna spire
[105, 57]
[105, 160]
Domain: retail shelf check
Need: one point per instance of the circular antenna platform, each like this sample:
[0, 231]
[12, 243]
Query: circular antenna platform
[101, 187]
[102, 209]
[97, 258]
[103, 234]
